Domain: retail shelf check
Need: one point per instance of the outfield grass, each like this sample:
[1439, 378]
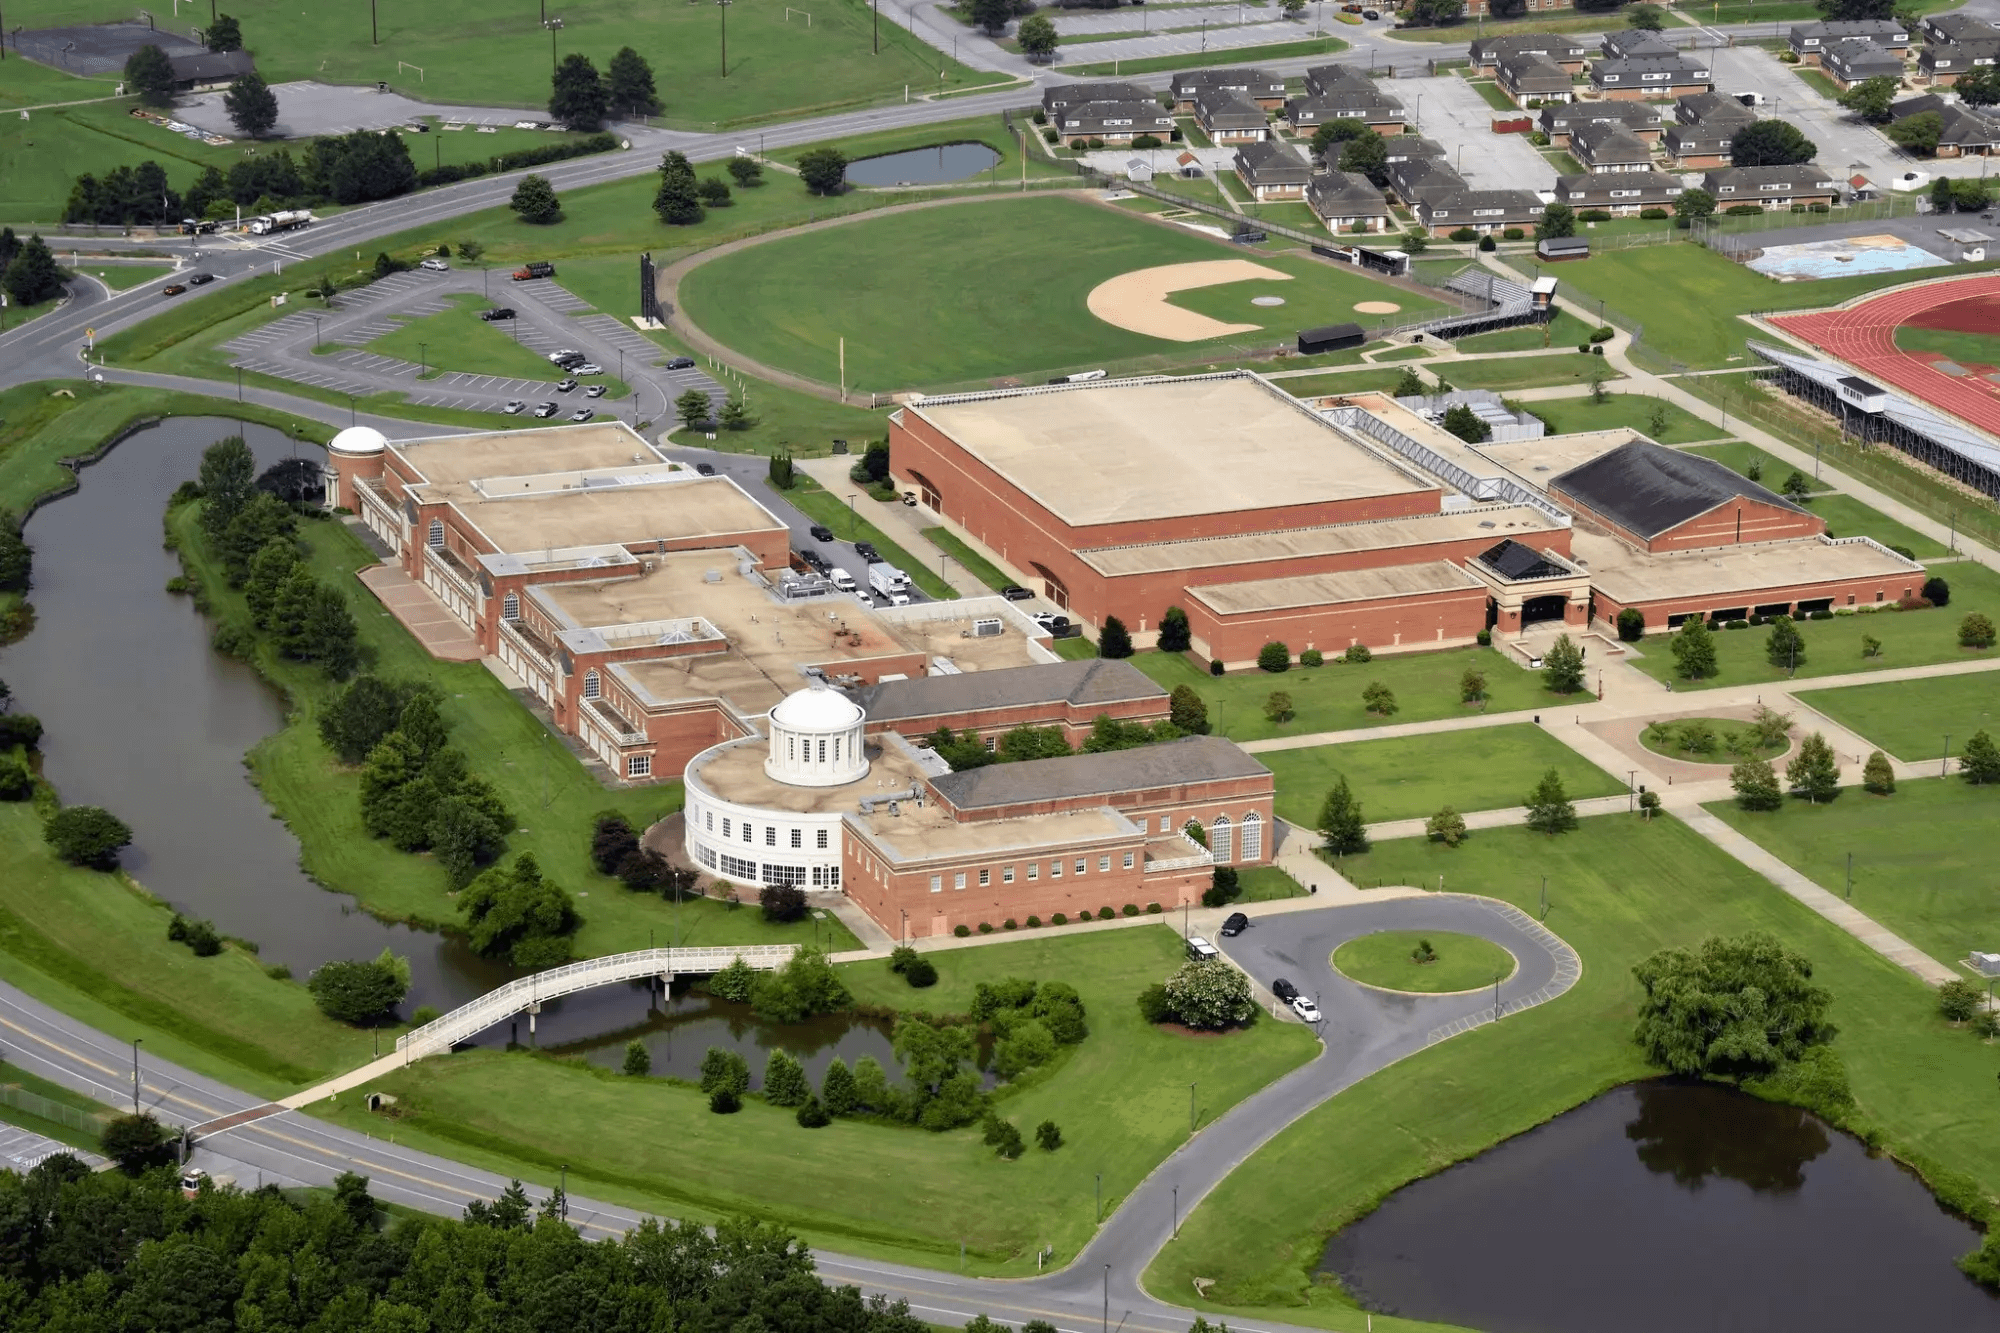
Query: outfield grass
[1911, 718]
[1688, 298]
[1627, 410]
[1328, 698]
[910, 317]
[1968, 349]
[1618, 890]
[1388, 959]
[1413, 777]
[1923, 862]
[973, 563]
[1316, 295]
[320, 801]
[1524, 372]
[1833, 647]
[1106, 69]
[1120, 1098]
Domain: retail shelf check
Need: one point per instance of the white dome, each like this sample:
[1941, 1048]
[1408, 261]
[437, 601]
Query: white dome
[359, 440]
[816, 709]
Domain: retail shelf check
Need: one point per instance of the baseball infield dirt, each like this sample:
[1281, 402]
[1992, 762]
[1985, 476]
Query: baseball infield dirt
[1138, 300]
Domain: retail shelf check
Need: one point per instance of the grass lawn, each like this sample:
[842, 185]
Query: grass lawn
[1619, 889]
[1739, 456]
[1688, 297]
[29, 84]
[1317, 294]
[1667, 738]
[73, 1119]
[1388, 959]
[119, 277]
[823, 506]
[1496, 99]
[1524, 372]
[1413, 777]
[1848, 517]
[1458, 33]
[1107, 69]
[1968, 349]
[321, 803]
[1817, 81]
[1261, 884]
[1328, 698]
[1565, 330]
[1911, 718]
[1382, 379]
[1833, 647]
[1120, 1098]
[1923, 862]
[1629, 410]
[974, 563]
[910, 317]
[1411, 353]
[458, 339]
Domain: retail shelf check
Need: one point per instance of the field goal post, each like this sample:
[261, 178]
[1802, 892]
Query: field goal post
[402, 65]
[789, 11]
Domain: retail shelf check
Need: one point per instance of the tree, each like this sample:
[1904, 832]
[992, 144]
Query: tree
[1870, 99]
[1694, 649]
[1558, 219]
[252, 106]
[1599, 377]
[262, 520]
[517, 914]
[360, 992]
[804, 986]
[1047, 1136]
[535, 201]
[1409, 384]
[1436, 13]
[1378, 699]
[692, 408]
[1366, 154]
[1187, 711]
[1975, 631]
[1813, 771]
[747, 172]
[1797, 488]
[1980, 762]
[1446, 826]
[1738, 1007]
[782, 902]
[87, 835]
[1472, 687]
[1278, 708]
[735, 416]
[33, 276]
[824, 170]
[464, 837]
[1771, 143]
[723, 1070]
[150, 74]
[1466, 424]
[714, 193]
[225, 34]
[1331, 132]
[1756, 785]
[577, 96]
[1919, 134]
[1116, 640]
[678, 200]
[227, 480]
[1646, 17]
[1175, 636]
[1878, 775]
[612, 839]
[17, 564]
[1027, 1045]
[1784, 646]
[836, 1088]
[1935, 591]
[812, 1115]
[628, 86]
[785, 1080]
[1028, 742]
[1210, 994]
[136, 1142]
[1549, 808]
[992, 15]
[1696, 203]
[1979, 86]
[1771, 727]
[638, 1060]
[1959, 1000]
[357, 719]
[1037, 36]
[1341, 829]
[1631, 625]
[1843, 11]
[1562, 666]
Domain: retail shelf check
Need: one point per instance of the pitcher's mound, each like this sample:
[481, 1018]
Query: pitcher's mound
[1138, 300]
[1376, 307]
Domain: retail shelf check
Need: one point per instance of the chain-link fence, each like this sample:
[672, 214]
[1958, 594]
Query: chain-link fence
[61, 1113]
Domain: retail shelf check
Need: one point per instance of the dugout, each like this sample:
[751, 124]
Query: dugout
[1330, 338]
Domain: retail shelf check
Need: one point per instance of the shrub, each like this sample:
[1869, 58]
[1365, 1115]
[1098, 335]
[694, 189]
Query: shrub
[1154, 1006]
[17, 781]
[1464, 234]
[1311, 657]
[1131, 909]
[1975, 631]
[813, 1115]
[1484, 638]
[785, 1080]
[1515, 233]
[1009, 1145]
[961, 931]
[1603, 333]
[22, 729]
[1654, 214]
[1152, 909]
[1210, 994]
[1358, 654]
[1105, 914]
[986, 927]
[1937, 592]
[901, 957]
[1597, 350]
[1273, 657]
[735, 982]
[1059, 919]
[1223, 887]
[87, 835]
[1488, 243]
[1878, 775]
[782, 902]
[725, 1101]
[638, 1060]
[1959, 1000]
[1047, 1137]
[921, 974]
[1214, 666]
[355, 991]
[1033, 921]
[1742, 210]
[1821, 614]
[1049, 135]
[1631, 625]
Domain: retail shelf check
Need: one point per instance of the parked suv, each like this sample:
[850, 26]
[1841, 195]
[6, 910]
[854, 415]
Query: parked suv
[822, 533]
[497, 313]
[1235, 924]
[1284, 990]
[867, 551]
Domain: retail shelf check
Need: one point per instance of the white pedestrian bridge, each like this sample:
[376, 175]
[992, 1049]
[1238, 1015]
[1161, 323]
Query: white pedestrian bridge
[528, 994]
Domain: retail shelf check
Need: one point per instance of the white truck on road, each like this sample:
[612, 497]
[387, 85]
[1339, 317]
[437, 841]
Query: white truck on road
[890, 582]
[281, 221]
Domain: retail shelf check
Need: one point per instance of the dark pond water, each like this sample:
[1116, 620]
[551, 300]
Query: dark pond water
[679, 1030]
[923, 166]
[1667, 1207]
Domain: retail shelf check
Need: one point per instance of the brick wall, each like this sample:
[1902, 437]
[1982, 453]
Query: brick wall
[1740, 521]
[1074, 719]
[1433, 620]
[1844, 593]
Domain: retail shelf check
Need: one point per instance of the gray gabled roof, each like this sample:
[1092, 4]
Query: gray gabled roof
[1166, 764]
[1085, 684]
[1647, 488]
[1342, 194]
[1270, 163]
[1076, 94]
[1607, 141]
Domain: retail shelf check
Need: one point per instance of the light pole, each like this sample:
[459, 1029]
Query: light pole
[315, 333]
[1191, 1114]
[1100, 1196]
[554, 26]
[1631, 791]
[906, 925]
[562, 1190]
[135, 1074]
[1496, 997]
[722, 12]
[1944, 764]
[1850, 877]
[1107, 1299]
[850, 516]
[423, 360]
[1177, 1212]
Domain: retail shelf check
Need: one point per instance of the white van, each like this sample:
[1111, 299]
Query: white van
[842, 579]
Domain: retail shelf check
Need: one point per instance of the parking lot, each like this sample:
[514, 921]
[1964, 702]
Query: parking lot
[306, 108]
[1450, 111]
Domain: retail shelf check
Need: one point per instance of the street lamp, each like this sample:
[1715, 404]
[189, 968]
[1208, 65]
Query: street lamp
[554, 26]
[722, 12]
[850, 525]
[423, 360]
[1191, 1114]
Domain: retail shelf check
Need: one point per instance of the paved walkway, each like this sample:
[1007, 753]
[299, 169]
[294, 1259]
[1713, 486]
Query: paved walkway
[441, 633]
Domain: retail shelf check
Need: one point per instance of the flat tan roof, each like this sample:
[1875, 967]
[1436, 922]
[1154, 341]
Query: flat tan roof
[446, 460]
[1517, 521]
[722, 675]
[1128, 450]
[736, 773]
[1536, 462]
[1353, 585]
[927, 832]
[670, 510]
[1628, 574]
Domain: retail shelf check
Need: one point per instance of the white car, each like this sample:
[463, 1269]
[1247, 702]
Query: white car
[588, 368]
[515, 408]
[435, 265]
[1306, 1009]
[1201, 950]
[562, 354]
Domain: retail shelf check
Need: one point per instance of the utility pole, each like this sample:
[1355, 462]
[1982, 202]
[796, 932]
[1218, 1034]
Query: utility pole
[374, 33]
[878, 27]
[135, 1074]
[722, 9]
[1191, 1113]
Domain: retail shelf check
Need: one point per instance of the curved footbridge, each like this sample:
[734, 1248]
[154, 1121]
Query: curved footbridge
[527, 995]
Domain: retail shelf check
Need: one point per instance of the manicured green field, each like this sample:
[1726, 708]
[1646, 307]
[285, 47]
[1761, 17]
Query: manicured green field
[1121, 1099]
[472, 54]
[1378, 380]
[1968, 349]
[1911, 718]
[1525, 372]
[1565, 330]
[1627, 410]
[1738, 456]
[1667, 738]
[321, 803]
[1318, 294]
[1689, 298]
[970, 560]
[1812, 78]
[1618, 890]
[1265, 883]
[1413, 777]
[1106, 69]
[1328, 698]
[119, 277]
[1848, 517]
[953, 294]
[1833, 647]
[30, 84]
[1923, 862]
[1388, 959]
[458, 339]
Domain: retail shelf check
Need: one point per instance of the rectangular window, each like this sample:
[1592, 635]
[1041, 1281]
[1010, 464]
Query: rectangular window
[708, 821]
[958, 880]
[937, 883]
[989, 744]
[770, 835]
[746, 831]
[1007, 875]
[798, 837]
[737, 868]
[822, 752]
[1128, 860]
[1034, 870]
[819, 839]
[1055, 869]
[725, 826]
[985, 879]
[1103, 864]
[639, 766]
[1080, 863]
[1166, 823]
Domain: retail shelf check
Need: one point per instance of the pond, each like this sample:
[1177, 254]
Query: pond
[923, 166]
[1663, 1207]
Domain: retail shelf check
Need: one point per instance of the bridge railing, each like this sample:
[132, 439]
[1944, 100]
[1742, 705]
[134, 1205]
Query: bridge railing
[556, 982]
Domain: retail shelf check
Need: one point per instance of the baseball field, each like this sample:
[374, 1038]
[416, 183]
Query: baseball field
[958, 295]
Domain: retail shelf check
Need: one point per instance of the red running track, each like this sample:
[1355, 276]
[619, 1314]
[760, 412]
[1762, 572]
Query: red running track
[1864, 336]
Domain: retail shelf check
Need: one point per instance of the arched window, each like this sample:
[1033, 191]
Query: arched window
[1219, 840]
[437, 533]
[510, 607]
[591, 685]
[1253, 837]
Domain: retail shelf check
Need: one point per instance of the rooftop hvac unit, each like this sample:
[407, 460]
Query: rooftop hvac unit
[1987, 963]
[986, 627]
[711, 576]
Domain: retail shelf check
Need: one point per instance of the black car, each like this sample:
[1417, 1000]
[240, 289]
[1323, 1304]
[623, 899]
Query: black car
[867, 551]
[497, 313]
[822, 533]
[817, 561]
[1284, 990]
[680, 363]
[705, 469]
[1234, 924]
[200, 279]
[1014, 592]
